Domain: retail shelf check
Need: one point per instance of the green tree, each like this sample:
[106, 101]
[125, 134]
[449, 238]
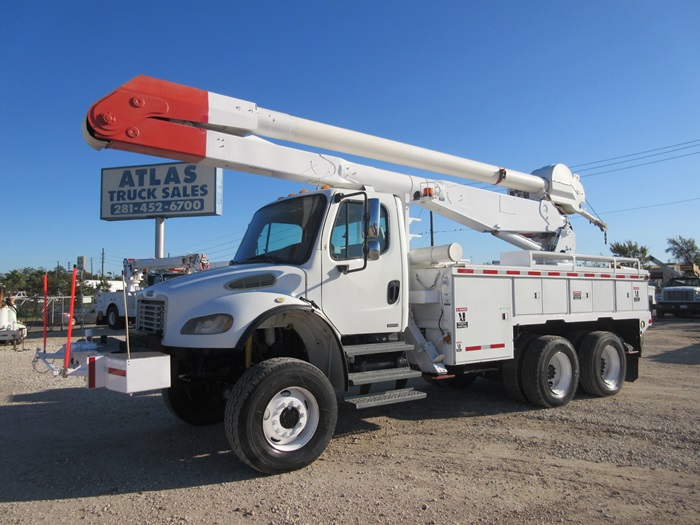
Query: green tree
[683, 251]
[31, 280]
[631, 249]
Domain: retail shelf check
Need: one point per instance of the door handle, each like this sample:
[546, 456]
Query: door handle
[392, 291]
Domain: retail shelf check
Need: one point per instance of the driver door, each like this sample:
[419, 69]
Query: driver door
[369, 300]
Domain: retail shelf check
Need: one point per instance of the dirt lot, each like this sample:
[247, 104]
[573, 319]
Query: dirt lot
[69, 455]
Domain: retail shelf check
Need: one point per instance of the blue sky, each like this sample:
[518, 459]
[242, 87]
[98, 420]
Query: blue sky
[521, 84]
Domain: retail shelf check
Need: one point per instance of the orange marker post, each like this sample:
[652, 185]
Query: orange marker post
[66, 360]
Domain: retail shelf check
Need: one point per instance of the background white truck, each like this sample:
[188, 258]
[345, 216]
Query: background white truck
[680, 295]
[110, 307]
[325, 297]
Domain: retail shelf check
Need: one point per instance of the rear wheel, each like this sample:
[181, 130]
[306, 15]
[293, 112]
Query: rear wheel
[511, 370]
[281, 415]
[114, 320]
[603, 364]
[550, 371]
[194, 405]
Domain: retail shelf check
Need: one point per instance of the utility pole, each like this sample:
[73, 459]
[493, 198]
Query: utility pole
[103, 263]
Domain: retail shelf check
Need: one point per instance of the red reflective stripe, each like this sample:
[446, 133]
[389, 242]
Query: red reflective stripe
[465, 270]
[606, 275]
[491, 272]
[512, 272]
[471, 348]
[620, 276]
[589, 275]
[116, 372]
[554, 274]
[572, 274]
[534, 273]
[91, 372]
[498, 345]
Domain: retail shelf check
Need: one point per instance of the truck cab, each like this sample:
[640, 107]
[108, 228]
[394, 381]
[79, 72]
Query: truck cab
[680, 296]
[304, 253]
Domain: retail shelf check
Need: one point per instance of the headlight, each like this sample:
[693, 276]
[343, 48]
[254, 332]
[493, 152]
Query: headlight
[208, 325]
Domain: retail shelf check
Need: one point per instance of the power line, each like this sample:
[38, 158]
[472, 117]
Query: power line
[638, 165]
[640, 158]
[696, 142]
[652, 206]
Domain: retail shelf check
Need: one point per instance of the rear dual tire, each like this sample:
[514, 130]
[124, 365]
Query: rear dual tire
[603, 364]
[550, 372]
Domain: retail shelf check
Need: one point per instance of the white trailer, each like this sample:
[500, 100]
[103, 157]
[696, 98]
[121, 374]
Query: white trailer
[325, 294]
[113, 308]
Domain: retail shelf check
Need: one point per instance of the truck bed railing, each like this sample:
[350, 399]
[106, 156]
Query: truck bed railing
[572, 262]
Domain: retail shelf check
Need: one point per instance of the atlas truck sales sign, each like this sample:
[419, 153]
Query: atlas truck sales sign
[161, 190]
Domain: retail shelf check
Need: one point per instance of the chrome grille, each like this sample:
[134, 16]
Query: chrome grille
[679, 295]
[150, 316]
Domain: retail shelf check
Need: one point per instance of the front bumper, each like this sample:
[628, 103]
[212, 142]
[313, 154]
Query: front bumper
[678, 307]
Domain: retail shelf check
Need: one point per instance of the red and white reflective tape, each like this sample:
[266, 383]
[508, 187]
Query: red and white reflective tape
[117, 372]
[484, 347]
[543, 273]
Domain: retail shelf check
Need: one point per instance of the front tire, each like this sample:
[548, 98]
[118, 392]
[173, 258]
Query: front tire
[281, 415]
[603, 364]
[550, 372]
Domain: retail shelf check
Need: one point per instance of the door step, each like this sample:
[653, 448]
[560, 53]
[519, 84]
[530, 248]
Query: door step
[386, 398]
[378, 376]
[377, 348]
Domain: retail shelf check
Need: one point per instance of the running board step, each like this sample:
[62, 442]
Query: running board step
[378, 376]
[386, 398]
[377, 348]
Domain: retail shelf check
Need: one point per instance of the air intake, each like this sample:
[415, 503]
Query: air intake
[252, 281]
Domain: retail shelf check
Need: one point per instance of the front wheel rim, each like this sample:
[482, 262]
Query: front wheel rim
[290, 419]
[559, 374]
[610, 366]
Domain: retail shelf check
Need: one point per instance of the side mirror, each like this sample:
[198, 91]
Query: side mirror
[374, 215]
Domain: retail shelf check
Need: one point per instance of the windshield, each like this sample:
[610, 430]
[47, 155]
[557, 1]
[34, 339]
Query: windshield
[684, 281]
[283, 232]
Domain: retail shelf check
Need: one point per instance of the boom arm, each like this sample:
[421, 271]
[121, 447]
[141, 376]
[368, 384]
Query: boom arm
[160, 118]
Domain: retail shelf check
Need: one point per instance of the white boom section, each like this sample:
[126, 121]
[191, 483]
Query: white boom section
[485, 211]
[227, 114]
[161, 118]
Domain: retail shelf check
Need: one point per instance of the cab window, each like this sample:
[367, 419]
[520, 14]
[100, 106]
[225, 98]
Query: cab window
[348, 231]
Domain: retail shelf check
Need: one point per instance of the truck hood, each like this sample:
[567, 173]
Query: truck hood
[681, 288]
[210, 284]
[244, 292]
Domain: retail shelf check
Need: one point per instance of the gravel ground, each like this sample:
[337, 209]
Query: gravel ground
[472, 456]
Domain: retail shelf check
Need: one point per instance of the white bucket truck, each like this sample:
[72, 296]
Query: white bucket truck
[113, 308]
[325, 294]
